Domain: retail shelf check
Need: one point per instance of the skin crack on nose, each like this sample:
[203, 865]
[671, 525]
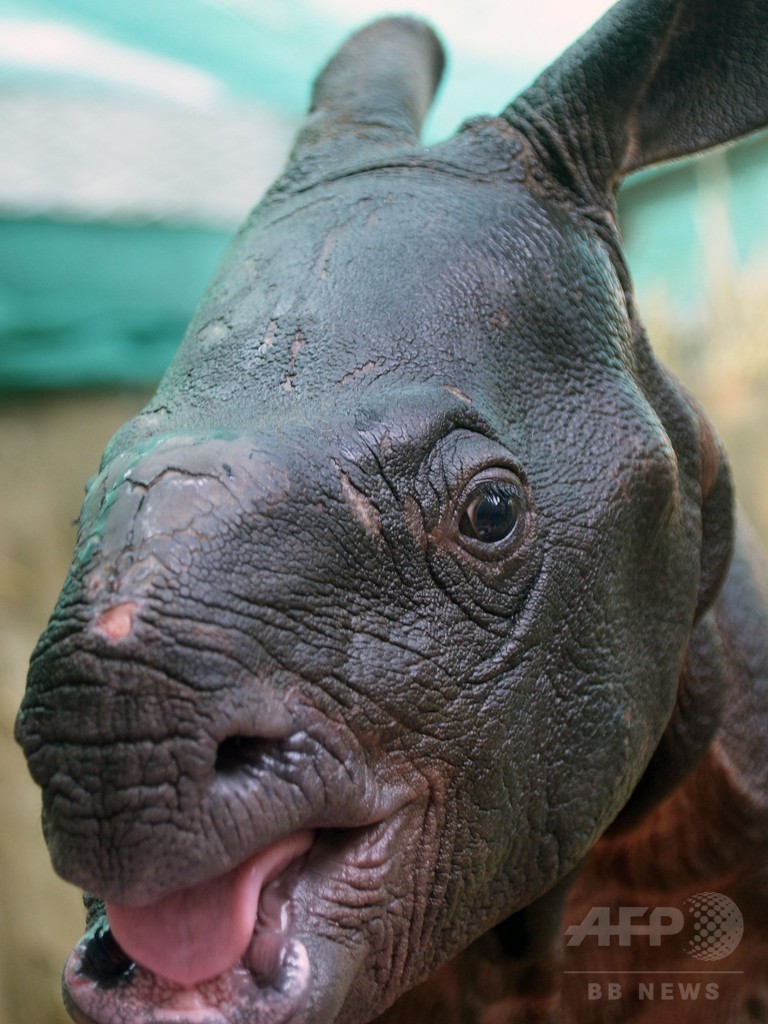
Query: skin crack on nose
[362, 507]
[116, 623]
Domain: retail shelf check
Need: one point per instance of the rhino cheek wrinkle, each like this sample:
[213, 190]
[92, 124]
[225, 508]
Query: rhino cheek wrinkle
[412, 645]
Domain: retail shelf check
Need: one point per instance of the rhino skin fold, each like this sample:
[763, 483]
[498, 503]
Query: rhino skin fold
[412, 642]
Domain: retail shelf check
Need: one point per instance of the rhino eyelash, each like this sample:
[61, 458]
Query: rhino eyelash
[488, 519]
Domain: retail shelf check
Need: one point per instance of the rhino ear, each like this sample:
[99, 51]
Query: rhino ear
[376, 90]
[652, 80]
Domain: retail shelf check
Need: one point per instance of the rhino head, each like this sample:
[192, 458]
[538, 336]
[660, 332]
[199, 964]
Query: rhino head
[379, 609]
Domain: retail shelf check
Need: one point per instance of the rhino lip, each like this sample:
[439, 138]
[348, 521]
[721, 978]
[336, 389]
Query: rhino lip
[270, 982]
[104, 985]
[195, 933]
[127, 993]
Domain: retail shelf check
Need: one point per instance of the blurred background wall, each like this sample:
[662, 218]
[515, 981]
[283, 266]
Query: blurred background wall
[136, 137]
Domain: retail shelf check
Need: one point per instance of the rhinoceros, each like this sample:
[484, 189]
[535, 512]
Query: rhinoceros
[412, 663]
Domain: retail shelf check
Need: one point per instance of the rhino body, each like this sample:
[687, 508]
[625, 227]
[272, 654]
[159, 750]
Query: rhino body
[410, 621]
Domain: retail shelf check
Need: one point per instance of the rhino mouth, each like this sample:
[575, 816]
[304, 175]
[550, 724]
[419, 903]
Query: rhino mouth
[175, 960]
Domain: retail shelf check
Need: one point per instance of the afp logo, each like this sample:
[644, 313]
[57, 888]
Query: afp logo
[715, 924]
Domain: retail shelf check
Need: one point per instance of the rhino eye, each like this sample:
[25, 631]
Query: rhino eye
[491, 512]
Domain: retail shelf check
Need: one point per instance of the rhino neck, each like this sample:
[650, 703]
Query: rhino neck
[707, 831]
[693, 724]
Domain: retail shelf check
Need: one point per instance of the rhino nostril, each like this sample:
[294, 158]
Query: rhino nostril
[238, 752]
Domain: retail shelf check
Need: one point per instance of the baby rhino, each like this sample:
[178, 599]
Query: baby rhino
[411, 666]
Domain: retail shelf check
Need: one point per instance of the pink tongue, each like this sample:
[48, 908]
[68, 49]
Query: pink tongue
[195, 934]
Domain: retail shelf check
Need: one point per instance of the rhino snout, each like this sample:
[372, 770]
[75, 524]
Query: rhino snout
[214, 830]
[174, 785]
[209, 791]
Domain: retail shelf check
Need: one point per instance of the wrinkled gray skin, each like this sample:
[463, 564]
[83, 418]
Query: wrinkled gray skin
[277, 619]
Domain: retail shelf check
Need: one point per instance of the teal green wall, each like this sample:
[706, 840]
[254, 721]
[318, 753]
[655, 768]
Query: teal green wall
[91, 304]
[668, 227]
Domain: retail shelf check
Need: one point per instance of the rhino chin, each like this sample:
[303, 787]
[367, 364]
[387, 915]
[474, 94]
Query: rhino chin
[271, 985]
[287, 974]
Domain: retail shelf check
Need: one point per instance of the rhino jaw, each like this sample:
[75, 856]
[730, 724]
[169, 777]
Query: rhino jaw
[231, 950]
